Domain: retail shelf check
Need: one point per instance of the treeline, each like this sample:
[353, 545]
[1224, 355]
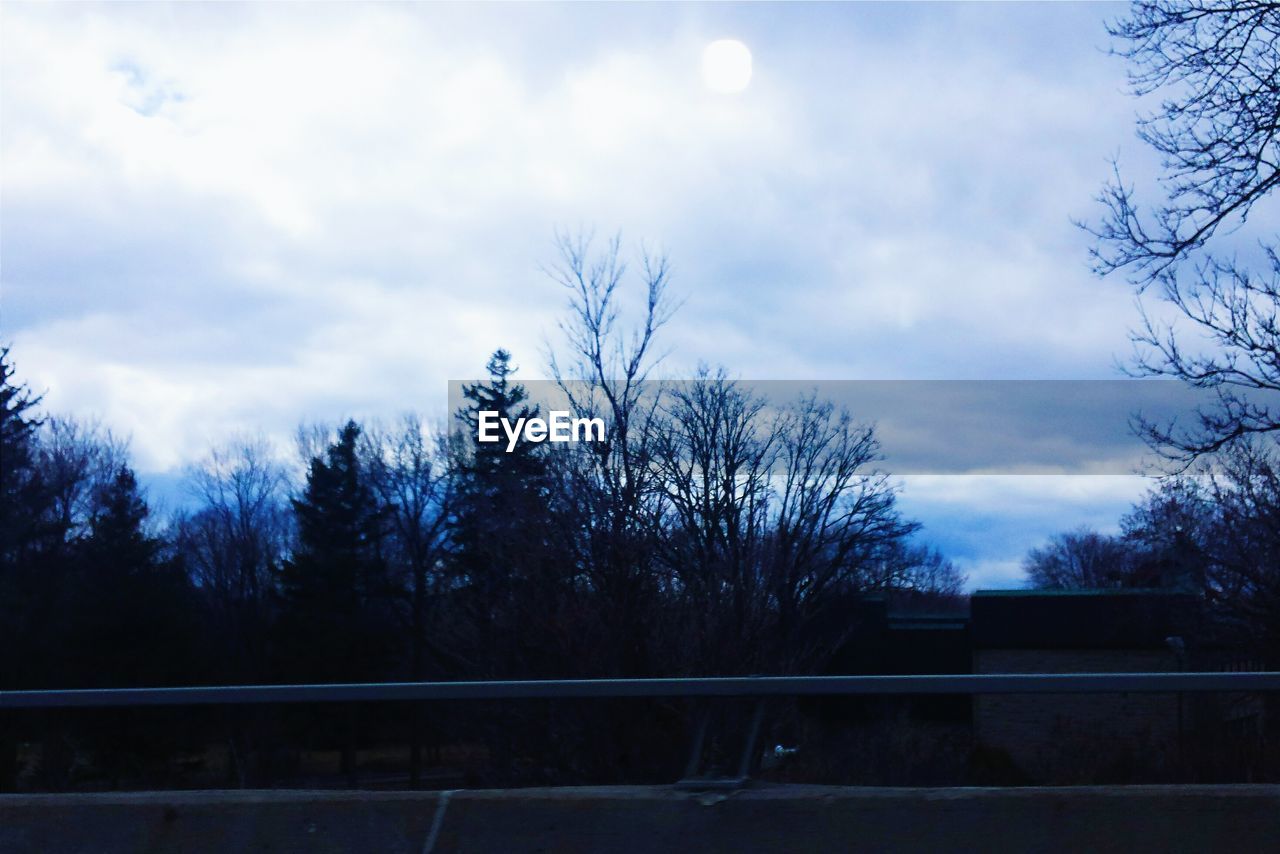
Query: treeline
[1213, 532]
[704, 536]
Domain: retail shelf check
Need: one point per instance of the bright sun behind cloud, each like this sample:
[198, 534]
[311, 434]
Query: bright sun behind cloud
[726, 66]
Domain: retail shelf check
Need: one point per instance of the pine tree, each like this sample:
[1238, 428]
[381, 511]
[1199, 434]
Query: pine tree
[501, 523]
[132, 615]
[22, 496]
[491, 463]
[29, 596]
[117, 526]
[338, 623]
[336, 590]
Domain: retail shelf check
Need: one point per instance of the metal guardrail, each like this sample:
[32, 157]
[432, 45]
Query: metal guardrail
[731, 686]
[757, 688]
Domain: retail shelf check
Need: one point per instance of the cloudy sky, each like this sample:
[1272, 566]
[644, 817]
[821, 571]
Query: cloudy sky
[230, 217]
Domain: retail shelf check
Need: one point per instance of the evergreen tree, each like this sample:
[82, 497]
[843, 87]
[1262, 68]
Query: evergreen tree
[501, 523]
[21, 496]
[32, 562]
[22, 493]
[337, 594]
[130, 619]
[491, 465]
[133, 619]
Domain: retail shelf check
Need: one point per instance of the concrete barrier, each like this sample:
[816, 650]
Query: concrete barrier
[635, 819]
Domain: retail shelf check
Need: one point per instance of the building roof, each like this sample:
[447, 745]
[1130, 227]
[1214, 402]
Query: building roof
[1081, 619]
[1091, 592]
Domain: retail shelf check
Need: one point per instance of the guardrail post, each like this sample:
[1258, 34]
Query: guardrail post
[746, 761]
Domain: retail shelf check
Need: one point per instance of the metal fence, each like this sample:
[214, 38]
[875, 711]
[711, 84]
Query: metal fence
[756, 688]
[730, 686]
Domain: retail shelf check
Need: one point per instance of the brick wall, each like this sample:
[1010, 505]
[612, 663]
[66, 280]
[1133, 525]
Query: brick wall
[1078, 737]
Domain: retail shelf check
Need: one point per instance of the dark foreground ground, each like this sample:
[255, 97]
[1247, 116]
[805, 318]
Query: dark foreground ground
[627, 819]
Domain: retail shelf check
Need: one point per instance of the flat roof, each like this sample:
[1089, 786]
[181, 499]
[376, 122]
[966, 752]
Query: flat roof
[1085, 591]
[1083, 619]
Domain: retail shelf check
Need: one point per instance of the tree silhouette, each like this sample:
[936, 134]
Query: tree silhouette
[1217, 68]
[131, 623]
[501, 522]
[1082, 559]
[336, 593]
[23, 493]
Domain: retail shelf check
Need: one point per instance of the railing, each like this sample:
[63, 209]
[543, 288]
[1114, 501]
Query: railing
[729, 686]
[756, 688]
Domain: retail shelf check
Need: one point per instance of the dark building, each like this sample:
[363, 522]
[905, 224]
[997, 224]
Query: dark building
[891, 637]
[1061, 737]
[1084, 736]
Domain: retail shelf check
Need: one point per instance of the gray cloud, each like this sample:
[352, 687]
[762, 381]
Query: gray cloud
[225, 217]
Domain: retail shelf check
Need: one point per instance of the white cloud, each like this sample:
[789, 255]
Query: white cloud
[987, 523]
[225, 217]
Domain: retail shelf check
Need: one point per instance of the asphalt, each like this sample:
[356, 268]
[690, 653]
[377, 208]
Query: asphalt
[651, 818]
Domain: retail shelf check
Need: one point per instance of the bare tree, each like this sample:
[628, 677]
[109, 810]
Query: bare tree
[409, 471]
[235, 541]
[713, 452]
[410, 474]
[772, 515]
[1170, 531]
[919, 571]
[834, 516]
[603, 374]
[1215, 534]
[1082, 559]
[1243, 575]
[310, 440]
[1216, 66]
[78, 459]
